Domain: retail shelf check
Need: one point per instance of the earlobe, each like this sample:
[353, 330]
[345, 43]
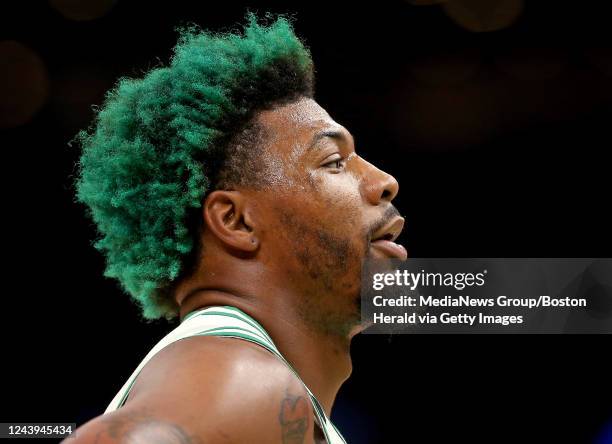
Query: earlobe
[249, 225]
[226, 215]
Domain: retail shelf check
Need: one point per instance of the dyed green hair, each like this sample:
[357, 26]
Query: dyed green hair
[161, 142]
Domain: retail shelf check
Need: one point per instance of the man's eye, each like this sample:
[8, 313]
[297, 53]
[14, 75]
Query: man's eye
[336, 163]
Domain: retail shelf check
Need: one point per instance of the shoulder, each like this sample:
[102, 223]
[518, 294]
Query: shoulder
[217, 390]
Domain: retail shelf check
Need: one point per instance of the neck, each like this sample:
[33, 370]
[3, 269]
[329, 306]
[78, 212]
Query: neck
[321, 359]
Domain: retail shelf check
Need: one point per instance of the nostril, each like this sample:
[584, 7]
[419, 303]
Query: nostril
[386, 194]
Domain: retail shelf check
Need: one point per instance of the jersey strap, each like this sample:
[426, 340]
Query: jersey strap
[230, 322]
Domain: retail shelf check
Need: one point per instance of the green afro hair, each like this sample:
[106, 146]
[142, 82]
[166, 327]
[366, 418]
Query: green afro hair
[158, 143]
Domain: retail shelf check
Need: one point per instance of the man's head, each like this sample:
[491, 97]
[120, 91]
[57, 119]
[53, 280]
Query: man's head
[222, 157]
[315, 220]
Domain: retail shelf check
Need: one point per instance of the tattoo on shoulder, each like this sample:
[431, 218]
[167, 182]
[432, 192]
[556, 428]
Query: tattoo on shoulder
[142, 427]
[294, 418]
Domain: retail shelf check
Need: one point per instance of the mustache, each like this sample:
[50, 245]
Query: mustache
[389, 213]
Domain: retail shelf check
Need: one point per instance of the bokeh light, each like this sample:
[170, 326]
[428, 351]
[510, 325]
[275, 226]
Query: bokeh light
[24, 84]
[605, 436]
[425, 2]
[484, 15]
[80, 10]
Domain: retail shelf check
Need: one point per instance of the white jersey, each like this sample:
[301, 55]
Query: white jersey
[227, 322]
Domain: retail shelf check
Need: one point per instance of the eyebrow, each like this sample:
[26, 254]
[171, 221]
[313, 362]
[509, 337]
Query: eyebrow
[331, 133]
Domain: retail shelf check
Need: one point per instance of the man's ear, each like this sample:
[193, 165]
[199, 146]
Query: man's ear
[227, 216]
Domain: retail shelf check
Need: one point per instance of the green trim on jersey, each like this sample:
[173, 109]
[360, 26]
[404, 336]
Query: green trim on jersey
[229, 322]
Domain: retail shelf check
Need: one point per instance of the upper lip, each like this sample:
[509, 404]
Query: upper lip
[390, 231]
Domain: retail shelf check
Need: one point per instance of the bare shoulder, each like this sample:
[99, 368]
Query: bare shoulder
[210, 390]
[134, 425]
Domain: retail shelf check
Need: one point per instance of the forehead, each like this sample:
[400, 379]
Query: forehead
[294, 124]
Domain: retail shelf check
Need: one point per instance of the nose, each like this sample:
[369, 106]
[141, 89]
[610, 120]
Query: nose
[378, 186]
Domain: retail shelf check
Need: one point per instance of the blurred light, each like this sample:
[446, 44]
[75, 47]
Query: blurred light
[446, 69]
[24, 85]
[425, 2]
[484, 15]
[81, 10]
[605, 436]
[533, 63]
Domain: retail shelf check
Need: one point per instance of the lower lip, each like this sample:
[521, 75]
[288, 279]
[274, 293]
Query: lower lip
[390, 249]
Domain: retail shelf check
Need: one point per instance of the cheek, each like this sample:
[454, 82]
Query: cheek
[341, 199]
[328, 202]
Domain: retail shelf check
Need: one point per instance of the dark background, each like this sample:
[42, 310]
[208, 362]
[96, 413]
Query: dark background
[492, 114]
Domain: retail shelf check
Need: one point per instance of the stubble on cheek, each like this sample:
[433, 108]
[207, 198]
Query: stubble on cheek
[322, 257]
[329, 261]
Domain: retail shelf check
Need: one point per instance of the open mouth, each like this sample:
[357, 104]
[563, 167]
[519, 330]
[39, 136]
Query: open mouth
[384, 240]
